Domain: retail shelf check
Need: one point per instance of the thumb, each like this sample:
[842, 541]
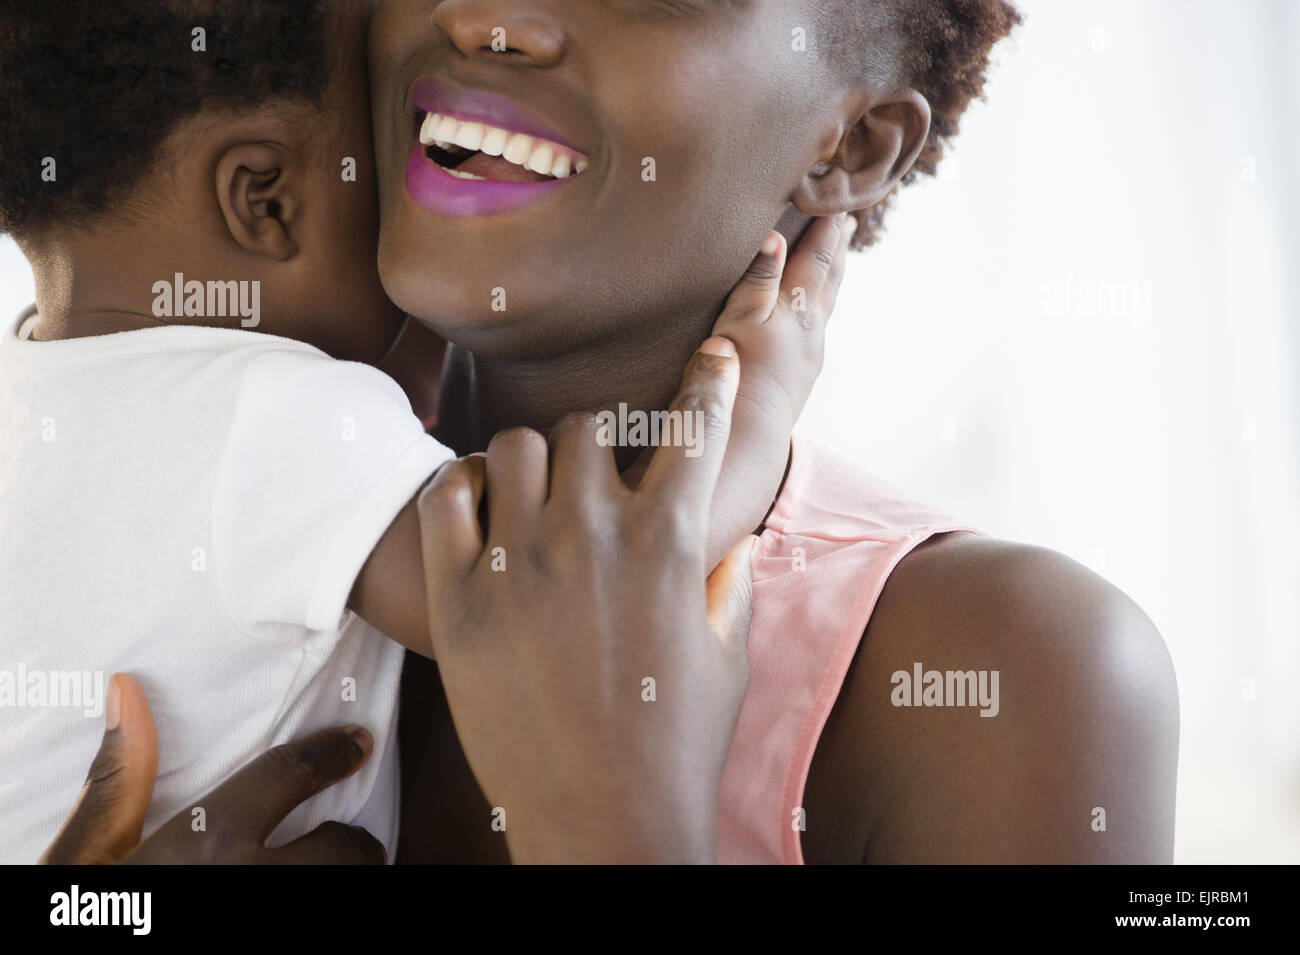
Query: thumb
[730, 594]
[756, 295]
[106, 822]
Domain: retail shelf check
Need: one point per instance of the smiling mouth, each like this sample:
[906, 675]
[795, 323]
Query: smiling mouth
[479, 152]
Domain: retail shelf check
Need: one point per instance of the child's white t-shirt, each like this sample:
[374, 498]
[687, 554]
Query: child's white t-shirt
[192, 506]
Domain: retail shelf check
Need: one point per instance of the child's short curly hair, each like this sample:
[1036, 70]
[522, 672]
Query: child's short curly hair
[97, 85]
[940, 48]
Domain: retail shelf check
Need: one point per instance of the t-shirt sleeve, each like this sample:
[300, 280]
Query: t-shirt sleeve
[321, 457]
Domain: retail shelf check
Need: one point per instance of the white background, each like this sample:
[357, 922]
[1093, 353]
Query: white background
[1149, 149]
[1084, 335]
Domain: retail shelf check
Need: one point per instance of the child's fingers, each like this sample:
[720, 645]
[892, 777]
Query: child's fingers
[819, 256]
[256, 798]
[686, 471]
[831, 291]
[756, 295]
[109, 815]
[518, 465]
[450, 534]
[583, 470]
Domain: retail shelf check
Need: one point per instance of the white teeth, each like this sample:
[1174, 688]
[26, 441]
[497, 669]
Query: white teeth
[429, 129]
[463, 175]
[518, 149]
[494, 143]
[542, 159]
[471, 136]
[450, 134]
[447, 130]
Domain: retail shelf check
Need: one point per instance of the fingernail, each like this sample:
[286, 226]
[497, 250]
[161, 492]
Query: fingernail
[772, 244]
[113, 705]
[721, 347]
[851, 225]
[754, 541]
[359, 736]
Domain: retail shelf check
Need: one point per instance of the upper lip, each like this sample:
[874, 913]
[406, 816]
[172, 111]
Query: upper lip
[437, 94]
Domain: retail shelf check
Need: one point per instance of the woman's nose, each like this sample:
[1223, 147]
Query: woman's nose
[525, 33]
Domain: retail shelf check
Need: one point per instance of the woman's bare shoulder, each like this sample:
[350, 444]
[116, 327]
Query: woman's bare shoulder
[1006, 705]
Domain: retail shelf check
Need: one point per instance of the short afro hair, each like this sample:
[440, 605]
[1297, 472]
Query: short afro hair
[940, 48]
[98, 85]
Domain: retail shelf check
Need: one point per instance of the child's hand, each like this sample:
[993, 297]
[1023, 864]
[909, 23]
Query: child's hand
[777, 317]
[593, 676]
[105, 824]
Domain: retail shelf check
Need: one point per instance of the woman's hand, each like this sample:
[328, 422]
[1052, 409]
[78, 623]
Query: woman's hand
[105, 824]
[593, 693]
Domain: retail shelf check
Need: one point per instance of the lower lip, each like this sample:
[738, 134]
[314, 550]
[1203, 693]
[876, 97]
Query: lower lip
[433, 188]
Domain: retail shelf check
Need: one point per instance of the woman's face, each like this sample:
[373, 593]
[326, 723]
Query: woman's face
[692, 124]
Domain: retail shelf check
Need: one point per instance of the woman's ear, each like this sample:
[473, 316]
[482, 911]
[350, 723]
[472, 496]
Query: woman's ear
[874, 154]
[258, 199]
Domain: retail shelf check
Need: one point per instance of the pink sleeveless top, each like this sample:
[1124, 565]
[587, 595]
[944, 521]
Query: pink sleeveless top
[832, 540]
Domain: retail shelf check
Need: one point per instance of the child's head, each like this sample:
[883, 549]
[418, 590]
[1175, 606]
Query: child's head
[704, 123]
[226, 141]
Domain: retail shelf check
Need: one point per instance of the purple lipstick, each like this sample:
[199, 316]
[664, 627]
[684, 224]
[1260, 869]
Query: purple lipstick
[479, 153]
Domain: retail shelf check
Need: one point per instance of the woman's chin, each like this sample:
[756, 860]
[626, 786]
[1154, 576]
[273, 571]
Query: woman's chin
[467, 324]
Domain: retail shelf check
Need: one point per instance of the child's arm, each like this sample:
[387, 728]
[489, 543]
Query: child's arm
[776, 316]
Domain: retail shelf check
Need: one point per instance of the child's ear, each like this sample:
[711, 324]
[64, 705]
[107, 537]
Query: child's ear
[258, 199]
[879, 148]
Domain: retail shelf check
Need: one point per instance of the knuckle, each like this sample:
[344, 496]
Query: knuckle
[739, 315]
[577, 423]
[714, 412]
[515, 441]
[337, 752]
[710, 369]
[537, 558]
[440, 497]
[104, 774]
[836, 280]
[756, 314]
[292, 761]
[823, 257]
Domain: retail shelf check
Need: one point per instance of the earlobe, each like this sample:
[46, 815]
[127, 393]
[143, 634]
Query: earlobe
[871, 158]
[257, 199]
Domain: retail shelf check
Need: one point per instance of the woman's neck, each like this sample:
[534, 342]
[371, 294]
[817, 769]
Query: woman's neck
[482, 395]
